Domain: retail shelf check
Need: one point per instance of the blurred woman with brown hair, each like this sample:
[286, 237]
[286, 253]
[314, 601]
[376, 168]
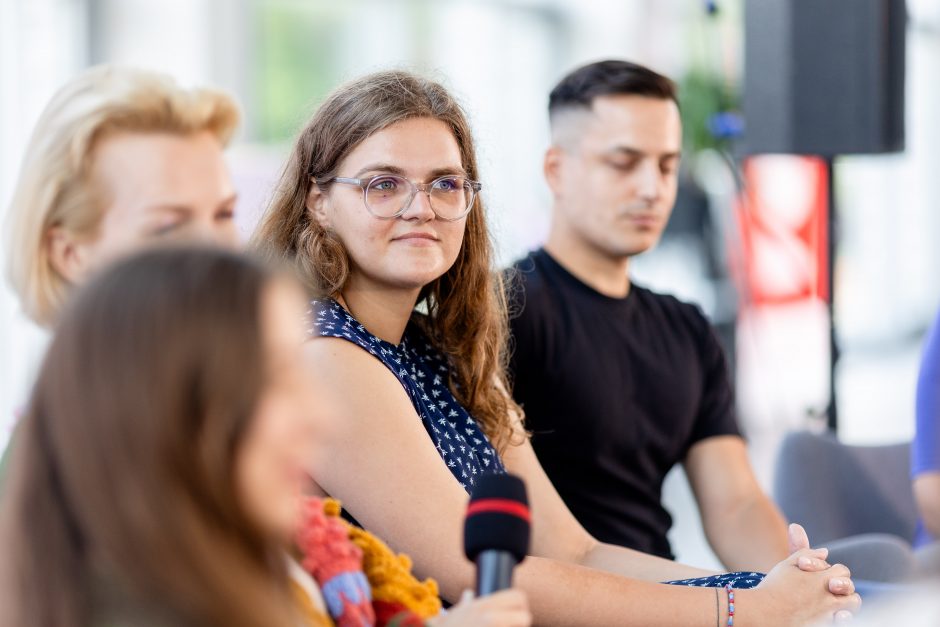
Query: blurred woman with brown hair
[159, 467]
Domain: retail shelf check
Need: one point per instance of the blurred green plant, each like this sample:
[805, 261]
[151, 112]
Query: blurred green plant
[709, 108]
[709, 91]
[304, 49]
[296, 63]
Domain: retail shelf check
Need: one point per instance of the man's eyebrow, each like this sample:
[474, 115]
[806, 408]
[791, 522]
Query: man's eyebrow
[627, 150]
[636, 152]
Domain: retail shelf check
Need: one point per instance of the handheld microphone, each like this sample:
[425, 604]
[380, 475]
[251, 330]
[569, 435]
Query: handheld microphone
[496, 530]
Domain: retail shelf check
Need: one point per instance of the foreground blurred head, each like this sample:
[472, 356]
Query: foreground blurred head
[119, 158]
[164, 446]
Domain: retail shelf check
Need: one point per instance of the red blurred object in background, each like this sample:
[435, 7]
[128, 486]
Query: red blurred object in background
[783, 225]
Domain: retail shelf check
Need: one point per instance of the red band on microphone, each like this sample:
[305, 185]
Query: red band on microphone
[499, 506]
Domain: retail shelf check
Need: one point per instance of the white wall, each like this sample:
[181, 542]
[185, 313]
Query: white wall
[42, 43]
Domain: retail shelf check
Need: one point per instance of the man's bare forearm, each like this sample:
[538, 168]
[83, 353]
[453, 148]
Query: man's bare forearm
[751, 536]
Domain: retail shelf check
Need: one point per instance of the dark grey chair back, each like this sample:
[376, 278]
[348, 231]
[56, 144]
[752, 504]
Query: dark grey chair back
[835, 490]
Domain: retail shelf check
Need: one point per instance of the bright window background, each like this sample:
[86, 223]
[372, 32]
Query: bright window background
[501, 57]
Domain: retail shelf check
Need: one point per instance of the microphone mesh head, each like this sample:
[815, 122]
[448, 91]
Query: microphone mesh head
[497, 517]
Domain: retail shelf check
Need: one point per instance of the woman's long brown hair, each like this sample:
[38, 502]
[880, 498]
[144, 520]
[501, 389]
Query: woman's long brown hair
[123, 470]
[466, 306]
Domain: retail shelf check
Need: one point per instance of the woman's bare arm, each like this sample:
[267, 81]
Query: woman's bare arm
[375, 456]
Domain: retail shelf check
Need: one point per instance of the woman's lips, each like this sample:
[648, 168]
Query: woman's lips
[417, 239]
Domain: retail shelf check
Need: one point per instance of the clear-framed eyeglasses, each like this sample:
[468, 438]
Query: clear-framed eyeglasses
[388, 196]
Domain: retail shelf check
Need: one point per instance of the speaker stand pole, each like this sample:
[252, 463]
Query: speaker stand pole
[832, 238]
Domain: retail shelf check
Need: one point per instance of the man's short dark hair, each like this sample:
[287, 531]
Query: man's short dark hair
[578, 89]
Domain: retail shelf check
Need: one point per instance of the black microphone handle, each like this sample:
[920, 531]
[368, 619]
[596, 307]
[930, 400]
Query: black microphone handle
[494, 571]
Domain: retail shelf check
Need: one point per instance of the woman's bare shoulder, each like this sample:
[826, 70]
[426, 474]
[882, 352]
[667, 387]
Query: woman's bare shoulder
[337, 358]
[354, 385]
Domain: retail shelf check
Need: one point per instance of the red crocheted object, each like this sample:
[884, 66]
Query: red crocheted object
[325, 544]
[336, 564]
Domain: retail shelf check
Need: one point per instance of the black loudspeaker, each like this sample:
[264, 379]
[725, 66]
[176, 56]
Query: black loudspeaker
[824, 77]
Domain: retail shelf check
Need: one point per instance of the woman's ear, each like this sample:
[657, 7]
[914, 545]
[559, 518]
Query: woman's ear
[68, 255]
[317, 205]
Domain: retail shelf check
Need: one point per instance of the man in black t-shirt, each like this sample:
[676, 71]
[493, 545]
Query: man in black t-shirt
[618, 383]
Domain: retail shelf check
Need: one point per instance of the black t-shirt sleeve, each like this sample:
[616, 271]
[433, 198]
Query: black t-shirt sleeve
[716, 414]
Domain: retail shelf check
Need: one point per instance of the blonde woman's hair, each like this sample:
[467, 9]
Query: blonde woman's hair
[55, 187]
[466, 307]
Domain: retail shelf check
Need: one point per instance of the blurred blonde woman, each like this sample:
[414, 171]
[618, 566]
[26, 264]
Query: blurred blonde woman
[119, 157]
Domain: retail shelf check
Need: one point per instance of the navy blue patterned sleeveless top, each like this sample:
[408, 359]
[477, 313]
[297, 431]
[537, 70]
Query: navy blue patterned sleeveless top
[423, 372]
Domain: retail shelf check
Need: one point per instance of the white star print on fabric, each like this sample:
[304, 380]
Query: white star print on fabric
[738, 580]
[417, 365]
